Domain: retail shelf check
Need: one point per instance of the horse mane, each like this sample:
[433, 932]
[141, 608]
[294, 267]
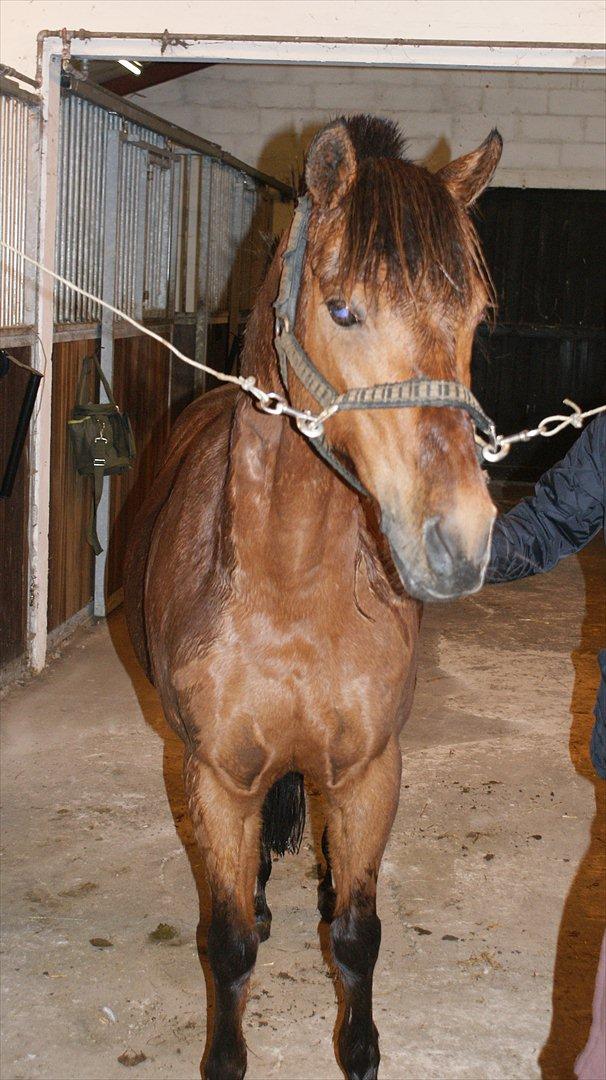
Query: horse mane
[402, 227]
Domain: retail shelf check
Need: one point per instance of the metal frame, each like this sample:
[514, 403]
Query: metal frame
[528, 56]
[20, 204]
[201, 305]
[110, 234]
[39, 503]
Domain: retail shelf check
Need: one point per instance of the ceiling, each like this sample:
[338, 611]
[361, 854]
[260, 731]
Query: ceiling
[113, 76]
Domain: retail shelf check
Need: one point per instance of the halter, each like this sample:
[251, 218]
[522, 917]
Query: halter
[410, 393]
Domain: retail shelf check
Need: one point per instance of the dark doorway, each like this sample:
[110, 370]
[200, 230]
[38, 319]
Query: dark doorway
[546, 252]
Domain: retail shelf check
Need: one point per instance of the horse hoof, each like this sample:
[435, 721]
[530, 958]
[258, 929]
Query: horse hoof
[263, 928]
[262, 918]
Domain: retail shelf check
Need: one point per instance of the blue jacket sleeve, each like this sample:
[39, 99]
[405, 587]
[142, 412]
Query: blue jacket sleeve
[565, 512]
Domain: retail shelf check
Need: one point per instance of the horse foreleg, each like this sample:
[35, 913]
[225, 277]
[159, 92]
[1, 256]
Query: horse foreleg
[359, 823]
[227, 829]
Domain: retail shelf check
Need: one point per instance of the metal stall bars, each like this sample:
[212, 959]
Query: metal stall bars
[165, 225]
[19, 197]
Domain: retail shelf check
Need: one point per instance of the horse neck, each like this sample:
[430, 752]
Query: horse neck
[288, 508]
[291, 516]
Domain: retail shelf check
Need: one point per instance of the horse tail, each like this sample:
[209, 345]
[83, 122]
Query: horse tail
[284, 815]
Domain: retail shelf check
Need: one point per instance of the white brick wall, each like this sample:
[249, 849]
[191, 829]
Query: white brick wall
[552, 124]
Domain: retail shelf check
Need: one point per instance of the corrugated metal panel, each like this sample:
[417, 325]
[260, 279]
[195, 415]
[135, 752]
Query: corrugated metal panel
[221, 253]
[135, 132]
[14, 119]
[143, 247]
[80, 201]
[157, 237]
[145, 221]
[131, 226]
[81, 198]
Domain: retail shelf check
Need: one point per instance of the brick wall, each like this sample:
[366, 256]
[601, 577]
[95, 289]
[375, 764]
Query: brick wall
[553, 124]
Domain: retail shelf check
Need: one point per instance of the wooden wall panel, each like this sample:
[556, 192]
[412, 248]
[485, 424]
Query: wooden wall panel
[141, 389]
[71, 559]
[13, 520]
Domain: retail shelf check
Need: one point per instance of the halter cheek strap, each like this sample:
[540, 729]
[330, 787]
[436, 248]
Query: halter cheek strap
[410, 393]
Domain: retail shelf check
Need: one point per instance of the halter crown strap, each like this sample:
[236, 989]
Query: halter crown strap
[285, 306]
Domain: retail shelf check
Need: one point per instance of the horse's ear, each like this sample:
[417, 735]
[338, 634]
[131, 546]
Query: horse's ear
[330, 168]
[467, 177]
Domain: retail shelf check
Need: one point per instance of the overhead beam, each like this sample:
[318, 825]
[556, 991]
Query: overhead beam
[507, 55]
[152, 75]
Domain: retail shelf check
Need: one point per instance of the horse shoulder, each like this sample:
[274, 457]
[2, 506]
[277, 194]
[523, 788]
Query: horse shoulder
[203, 421]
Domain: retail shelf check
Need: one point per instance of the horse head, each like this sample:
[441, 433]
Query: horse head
[393, 289]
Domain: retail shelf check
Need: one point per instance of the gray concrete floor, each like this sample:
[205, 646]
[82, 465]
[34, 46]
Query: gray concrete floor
[491, 894]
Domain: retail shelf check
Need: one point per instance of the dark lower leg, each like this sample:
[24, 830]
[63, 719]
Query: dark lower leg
[358, 829]
[227, 829]
[355, 938]
[232, 951]
[262, 912]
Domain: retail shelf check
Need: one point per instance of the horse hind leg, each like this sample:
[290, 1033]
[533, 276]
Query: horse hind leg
[227, 829]
[326, 892]
[262, 911]
[359, 822]
[283, 824]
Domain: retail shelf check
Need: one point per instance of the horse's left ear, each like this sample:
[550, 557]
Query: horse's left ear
[330, 168]
[467, 177]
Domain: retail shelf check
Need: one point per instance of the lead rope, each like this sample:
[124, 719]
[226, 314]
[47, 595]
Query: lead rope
[271, 403]
[312, 425]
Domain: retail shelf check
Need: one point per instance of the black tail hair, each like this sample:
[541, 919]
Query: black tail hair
[284, 815]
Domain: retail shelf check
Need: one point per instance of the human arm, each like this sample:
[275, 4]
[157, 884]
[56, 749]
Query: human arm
[565, 512]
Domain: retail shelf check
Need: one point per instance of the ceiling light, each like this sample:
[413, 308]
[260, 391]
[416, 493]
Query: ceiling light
[131, 65]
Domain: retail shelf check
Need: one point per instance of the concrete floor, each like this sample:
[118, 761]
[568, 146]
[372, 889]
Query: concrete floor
[491, 894]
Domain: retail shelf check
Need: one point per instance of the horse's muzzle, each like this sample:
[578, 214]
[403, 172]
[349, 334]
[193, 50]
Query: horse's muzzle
[442, 564]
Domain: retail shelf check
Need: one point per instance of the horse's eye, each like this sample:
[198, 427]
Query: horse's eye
[341, 313]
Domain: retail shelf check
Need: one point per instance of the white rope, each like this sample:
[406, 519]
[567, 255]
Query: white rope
[271, 403]
[310, 425]
[575, 419]
[122, 314]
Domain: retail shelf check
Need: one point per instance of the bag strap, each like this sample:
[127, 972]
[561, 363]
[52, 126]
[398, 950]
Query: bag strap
[84, 373]
[91, 535]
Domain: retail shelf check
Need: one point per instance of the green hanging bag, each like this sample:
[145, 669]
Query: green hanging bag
[101, 438]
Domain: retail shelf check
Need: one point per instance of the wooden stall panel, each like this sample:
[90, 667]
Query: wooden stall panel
[71, 558]
[141, 389]
[13, 520]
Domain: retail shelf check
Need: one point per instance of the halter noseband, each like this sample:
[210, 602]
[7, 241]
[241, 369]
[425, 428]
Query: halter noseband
[410, 393]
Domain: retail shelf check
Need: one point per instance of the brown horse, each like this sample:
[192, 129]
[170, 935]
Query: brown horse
[275, 607]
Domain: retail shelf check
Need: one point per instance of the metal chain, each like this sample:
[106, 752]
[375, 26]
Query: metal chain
[309, 424]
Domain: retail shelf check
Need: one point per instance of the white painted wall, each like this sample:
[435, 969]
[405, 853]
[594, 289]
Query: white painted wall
[552, 124]
[563, 21]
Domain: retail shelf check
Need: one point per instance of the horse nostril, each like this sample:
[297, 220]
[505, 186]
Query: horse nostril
[440, 548]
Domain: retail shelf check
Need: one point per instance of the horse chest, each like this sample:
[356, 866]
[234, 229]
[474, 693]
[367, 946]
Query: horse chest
[280, 689]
